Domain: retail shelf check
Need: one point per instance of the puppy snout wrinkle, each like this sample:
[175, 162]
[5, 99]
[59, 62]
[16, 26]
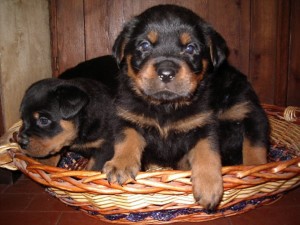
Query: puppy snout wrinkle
[166, 71]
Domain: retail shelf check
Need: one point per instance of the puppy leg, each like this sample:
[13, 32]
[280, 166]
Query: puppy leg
[207, 179]
[184, 163]
[100, 156]
[91, 164]
[126, 162]
[253, 155]
[256, 138]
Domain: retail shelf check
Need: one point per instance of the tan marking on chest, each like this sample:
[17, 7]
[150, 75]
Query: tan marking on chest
[180, 126]
[236, 112]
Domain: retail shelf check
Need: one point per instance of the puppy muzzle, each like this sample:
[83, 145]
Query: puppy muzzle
[23, 140]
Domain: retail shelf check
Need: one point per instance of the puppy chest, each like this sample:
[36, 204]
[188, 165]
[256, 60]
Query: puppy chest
[172, 145]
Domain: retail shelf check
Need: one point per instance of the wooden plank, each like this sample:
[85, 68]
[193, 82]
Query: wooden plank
[293, 96]
[104, 20]
[70, 34]
[243, 49]
[1, 117]
[25, 52]
[282, 53]
[263, 48]
[234, 26]
[255, 30]
[54, 37]
[96, 28]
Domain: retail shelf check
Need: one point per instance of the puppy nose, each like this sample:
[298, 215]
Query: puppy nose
[166, 75]
[23, 141]
[166, 71]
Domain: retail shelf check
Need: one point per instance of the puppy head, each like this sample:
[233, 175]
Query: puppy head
[166, 52]
[49, 112]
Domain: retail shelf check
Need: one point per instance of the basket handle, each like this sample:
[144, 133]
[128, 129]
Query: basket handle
[291, 113]
[6, 144]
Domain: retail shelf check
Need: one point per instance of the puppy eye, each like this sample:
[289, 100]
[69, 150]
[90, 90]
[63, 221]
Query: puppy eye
[190, 49]
[145, 46]
[43, 121]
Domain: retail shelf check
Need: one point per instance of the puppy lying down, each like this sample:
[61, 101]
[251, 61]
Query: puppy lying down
[60, 113]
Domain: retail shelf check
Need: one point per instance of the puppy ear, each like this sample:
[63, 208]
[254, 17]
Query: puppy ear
[71, 100]
[118, 48]
[218, 48]
[122, 40]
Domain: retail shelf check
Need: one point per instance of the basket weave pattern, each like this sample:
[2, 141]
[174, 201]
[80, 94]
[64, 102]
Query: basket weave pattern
[165, 190]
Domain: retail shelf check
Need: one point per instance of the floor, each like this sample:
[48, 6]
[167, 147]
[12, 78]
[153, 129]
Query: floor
[26, 203]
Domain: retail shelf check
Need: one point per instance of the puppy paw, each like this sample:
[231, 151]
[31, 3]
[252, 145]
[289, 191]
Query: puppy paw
[208, 190]
[120, 171]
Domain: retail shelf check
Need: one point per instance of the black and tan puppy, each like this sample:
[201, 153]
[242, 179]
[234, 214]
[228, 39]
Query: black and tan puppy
[180, 99]
[57, 113]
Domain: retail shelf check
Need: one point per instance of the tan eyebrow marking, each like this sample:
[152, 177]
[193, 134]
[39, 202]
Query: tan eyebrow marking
[185, 38]
[152, 36]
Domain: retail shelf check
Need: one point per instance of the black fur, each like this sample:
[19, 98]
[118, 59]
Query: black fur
[103, 69]
[171, 38]
[222, 87]
[84, 103]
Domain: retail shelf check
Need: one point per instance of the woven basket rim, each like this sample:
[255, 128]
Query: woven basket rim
[240, 182]
[242, 170]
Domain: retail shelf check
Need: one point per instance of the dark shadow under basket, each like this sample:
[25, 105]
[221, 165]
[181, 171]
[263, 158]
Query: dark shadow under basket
[165, 196]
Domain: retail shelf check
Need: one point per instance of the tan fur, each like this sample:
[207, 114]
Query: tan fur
[253, 155]
[131, 73]
[181, 126]
[207, 180]
[41, 147]
[185, 80]
[126, 162]
[152, 36]
[236, 112]
[185, 75]
[90, 164]
[147, 72]
[200, 75]
[36, 115]
[211, 51]
[184, 163]
[190, 123]
[123, 45]
[185, 38]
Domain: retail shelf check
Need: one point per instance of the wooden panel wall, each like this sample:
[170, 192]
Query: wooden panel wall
[262, 47]
[262, 36]
[25, 55]
[293, 95]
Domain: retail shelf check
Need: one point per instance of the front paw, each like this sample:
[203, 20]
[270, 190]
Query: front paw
[208, 190]
[120, 171]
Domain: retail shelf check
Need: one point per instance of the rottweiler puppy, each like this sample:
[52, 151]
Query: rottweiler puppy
[179, 99]
[73, 113]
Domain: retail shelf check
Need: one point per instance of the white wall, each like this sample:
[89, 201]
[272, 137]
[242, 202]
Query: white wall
[25, 54]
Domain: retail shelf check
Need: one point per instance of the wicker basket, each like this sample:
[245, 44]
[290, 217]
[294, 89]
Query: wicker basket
[165, 196]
